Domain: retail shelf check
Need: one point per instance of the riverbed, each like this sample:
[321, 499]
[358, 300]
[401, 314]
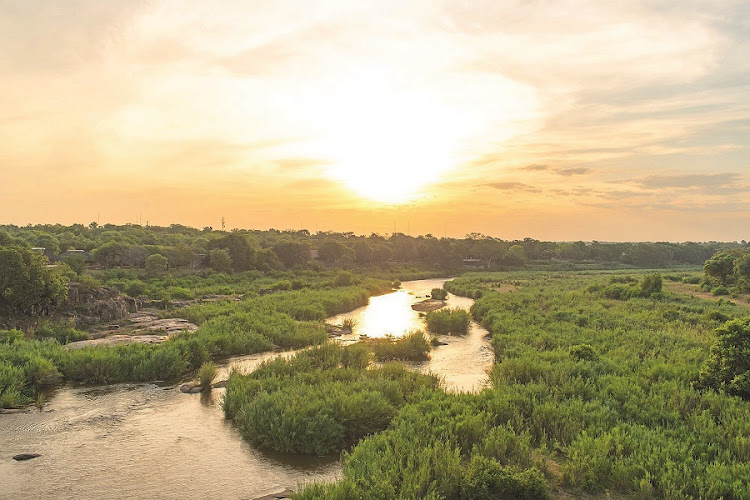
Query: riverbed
[151, 441]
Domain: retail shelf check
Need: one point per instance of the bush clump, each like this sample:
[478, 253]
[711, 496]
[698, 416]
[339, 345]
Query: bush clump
[321, 401]
[448, 321]
[720, 290]
[411, 347]
[439, 293]
[207, 374]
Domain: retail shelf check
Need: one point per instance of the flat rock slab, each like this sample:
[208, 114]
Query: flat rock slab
[428, 305]
[118, 339]
[25, 456]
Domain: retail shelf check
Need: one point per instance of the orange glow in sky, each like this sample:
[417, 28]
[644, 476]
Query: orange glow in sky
[603, 121]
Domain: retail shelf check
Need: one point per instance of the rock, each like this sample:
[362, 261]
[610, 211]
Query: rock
[186, 388]
[25, 456]
[428, 305]
[96, 305]
[219, 384]
[196, 389]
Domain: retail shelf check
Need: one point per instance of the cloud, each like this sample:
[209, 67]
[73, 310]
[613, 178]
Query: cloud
[567, 172]
[535, 167]
[689, 181]
[513, 186]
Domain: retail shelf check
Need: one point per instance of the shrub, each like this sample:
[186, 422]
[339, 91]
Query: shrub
[448, 321]
[487, 479]
[319, 402]
[720, 290]
[439, 294]
[411, 347]
[728, 365]
[207, 374]
[178, 292]
[135, 288]
[61, 332]
[651, 284]
[583, 352]
[10, 336]
[344, 278]
[717, 316]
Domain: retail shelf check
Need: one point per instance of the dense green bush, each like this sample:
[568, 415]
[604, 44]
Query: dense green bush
[61, 332]
[720, 290]
[439, 293]
[728, 366]
[319, 402]
[411, 347]
[448, 321]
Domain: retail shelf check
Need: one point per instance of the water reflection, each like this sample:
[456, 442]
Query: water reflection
[463, 361]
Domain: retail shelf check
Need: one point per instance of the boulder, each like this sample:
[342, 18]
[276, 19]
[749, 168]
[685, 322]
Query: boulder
[25, 456]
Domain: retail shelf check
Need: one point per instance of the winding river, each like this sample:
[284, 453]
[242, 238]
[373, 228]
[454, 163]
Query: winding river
[148, 441]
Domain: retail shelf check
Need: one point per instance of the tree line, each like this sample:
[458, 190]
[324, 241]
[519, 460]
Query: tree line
[177, 246]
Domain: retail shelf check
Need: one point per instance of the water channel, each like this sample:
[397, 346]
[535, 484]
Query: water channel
[148, 441]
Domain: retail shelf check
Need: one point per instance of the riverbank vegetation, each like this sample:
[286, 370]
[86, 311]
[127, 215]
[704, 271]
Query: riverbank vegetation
[283, 320]
[589, 395]
[413, 346]
[320, 401]
[448, 322]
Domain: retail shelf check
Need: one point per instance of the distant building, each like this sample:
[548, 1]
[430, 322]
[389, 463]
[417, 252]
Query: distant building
[76, 253]
[473, 263]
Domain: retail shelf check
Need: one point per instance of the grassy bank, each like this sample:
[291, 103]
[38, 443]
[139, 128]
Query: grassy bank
[590, 395]
[279, 320]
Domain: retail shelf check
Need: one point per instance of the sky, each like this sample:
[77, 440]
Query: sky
[564, 120]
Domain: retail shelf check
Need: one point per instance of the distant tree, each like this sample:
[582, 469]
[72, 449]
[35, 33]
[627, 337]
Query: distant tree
[720, 266]
[76, 262]
[220, 260]
[180, 256]
[331, 251]
[363, 251]
[243, 254]
[156, 264]
[728, 365]
[516, 255]
[742, 266]
[489, 250]
[266, 260]
[108, 254]
[27, 285]
[291, 253]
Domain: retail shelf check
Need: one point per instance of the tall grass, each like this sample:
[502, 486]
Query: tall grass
[321, 401]
[448, 321]
[283, 320]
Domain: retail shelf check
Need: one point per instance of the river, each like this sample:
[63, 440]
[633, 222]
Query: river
[148, 441]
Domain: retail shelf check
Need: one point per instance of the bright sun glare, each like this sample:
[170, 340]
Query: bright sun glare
[387, 145]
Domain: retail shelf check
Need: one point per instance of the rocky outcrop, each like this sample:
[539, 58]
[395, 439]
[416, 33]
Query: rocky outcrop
[428, 305]
[89, 306]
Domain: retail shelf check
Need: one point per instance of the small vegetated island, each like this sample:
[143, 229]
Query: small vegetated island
[621, 370]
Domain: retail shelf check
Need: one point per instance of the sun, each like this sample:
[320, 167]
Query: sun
[387, 146]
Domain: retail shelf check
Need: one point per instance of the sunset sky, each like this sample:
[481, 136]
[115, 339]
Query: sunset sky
[555, 120]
